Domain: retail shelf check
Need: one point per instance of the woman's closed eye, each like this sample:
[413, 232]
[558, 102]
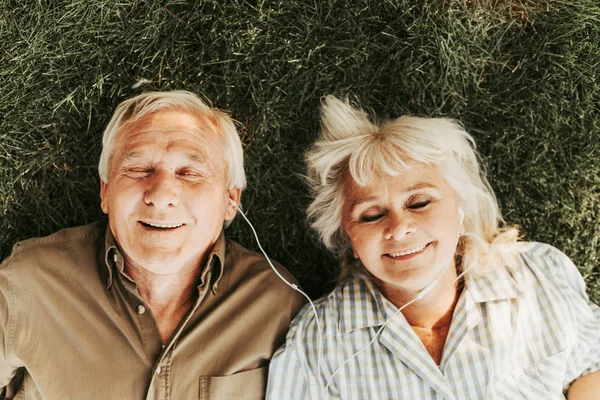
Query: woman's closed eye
[371, 217]
[419, 204]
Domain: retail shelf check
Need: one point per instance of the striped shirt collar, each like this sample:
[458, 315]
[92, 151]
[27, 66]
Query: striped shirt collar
[499, 284]
[370, 314]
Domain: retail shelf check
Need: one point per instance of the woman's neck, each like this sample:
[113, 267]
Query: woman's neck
[431, 316]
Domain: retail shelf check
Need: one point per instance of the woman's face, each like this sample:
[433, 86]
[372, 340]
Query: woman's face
[404, 229]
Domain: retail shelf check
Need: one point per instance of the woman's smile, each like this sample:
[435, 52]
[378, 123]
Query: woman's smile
[408, 253]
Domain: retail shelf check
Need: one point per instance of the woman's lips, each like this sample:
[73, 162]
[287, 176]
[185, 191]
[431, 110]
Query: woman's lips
[407, 253]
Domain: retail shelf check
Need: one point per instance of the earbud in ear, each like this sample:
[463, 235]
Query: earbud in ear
[233, 203]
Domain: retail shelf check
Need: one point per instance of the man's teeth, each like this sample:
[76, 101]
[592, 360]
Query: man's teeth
[163, 226]
[409, 251]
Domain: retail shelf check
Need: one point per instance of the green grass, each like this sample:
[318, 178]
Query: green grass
[522, 76]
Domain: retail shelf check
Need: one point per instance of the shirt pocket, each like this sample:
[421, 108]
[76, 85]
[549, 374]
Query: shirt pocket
[538, 380]
[247, 385]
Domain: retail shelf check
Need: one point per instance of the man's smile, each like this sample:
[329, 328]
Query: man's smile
[161, 225]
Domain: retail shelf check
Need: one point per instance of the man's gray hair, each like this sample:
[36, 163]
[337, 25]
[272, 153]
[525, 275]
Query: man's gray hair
[139, 106]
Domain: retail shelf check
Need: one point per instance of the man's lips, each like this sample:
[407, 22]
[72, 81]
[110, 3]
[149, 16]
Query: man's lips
[406, 253]
[161, 224]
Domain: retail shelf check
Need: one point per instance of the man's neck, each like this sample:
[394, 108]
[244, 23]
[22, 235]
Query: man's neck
[170, 297]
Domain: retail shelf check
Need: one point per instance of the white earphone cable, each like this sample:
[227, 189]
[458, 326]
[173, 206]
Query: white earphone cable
[292, 285]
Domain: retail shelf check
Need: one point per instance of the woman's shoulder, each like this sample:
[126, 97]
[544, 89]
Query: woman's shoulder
[539, 250]
[532, 269]
[547, 263]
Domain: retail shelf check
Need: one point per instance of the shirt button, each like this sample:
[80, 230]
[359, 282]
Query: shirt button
[158, 370]
[141, 309]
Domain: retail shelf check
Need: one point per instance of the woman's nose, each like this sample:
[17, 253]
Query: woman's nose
[398, 226]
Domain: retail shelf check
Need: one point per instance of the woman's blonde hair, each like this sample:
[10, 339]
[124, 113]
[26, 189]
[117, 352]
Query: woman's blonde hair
[350, 143]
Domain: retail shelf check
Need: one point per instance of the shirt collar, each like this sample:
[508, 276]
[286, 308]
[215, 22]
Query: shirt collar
[112, 257]
[113, 261]
[216, 262]
[363, 305]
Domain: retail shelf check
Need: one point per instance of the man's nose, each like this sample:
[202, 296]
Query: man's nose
[398, 226]
[163, 190]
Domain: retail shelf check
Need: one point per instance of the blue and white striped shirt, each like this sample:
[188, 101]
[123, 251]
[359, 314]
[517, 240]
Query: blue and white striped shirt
[521, 333]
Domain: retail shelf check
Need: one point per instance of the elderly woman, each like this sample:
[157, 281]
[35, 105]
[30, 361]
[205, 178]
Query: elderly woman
[436, 299]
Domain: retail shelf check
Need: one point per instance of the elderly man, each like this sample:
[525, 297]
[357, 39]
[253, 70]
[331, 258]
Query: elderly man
[158, 305]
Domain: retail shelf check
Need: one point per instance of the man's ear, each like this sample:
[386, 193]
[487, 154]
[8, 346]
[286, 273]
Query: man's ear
[233, 196]
[103, 190]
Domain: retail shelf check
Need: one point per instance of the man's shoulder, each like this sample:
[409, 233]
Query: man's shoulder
[253, 271]
[66, 241]
[240, 260]
[249, 274]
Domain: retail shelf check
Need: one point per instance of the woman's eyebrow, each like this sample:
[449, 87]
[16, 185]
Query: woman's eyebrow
[362, 200]
[421, 185]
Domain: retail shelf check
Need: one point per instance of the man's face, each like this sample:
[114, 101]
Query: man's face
[166, 195]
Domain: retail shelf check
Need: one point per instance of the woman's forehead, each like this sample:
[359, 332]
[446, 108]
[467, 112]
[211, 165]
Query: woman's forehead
[414, 178]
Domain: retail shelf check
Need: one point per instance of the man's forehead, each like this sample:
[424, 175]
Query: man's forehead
[169, 126]
[172, 121]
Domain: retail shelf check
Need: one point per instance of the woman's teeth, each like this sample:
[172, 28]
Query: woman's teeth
[409, 251]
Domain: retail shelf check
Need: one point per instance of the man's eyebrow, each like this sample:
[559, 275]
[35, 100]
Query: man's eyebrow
[422, 185]
[199, 158]
[132, 155]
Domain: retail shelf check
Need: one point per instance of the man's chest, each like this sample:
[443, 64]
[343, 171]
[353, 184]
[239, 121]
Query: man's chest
[110, 347]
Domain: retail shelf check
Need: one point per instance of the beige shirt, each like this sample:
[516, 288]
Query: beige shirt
[73, 319]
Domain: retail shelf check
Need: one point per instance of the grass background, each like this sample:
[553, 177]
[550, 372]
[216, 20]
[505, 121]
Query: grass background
[523, 76]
